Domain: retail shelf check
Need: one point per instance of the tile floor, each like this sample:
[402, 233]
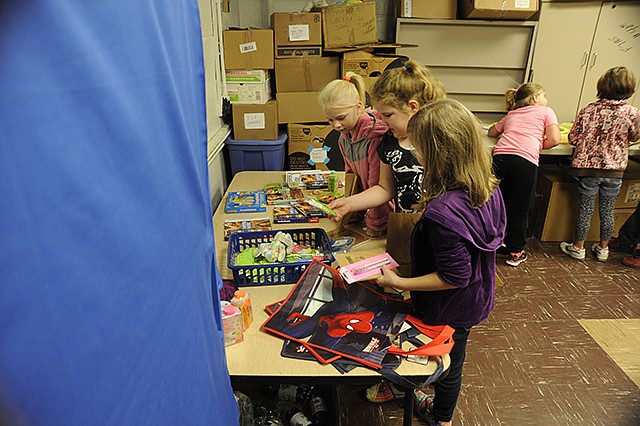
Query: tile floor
[532, 362]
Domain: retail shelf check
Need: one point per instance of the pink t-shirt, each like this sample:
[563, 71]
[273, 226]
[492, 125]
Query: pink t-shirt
[523, 131]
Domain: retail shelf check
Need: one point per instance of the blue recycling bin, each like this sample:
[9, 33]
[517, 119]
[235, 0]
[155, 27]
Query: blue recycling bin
[256, 154]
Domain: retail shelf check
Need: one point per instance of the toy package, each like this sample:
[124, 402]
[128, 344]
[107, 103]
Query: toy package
[246, 202]
[246, 225]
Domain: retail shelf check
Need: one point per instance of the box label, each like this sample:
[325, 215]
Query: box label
[248, 47]
[408, 6]
[299, 32]
[254, 120]
[523, 4]
[633, 193]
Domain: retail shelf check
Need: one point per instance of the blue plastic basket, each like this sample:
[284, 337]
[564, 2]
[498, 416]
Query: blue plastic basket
[276, 273]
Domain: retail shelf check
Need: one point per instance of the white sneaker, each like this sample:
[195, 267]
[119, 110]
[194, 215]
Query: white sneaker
[570, 250]
[601, 254]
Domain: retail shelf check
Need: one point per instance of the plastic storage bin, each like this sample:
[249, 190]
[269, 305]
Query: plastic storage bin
[277, 273]
[256, 154]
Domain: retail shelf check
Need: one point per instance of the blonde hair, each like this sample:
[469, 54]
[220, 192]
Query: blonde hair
[449, 139]
[397, 86]
[343, 93]
[522, 96]
[616, 83]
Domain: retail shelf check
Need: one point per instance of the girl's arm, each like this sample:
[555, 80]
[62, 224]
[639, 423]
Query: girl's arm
[493, 133]
[552, 136]
[375, 196]
[429, 282]
[452, 261]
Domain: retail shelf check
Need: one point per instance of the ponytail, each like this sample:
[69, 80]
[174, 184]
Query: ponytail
[397, 86]
[343, 93]
[522, 96]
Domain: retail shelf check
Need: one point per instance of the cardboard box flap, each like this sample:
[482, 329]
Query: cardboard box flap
[375, 48]
[349, 25]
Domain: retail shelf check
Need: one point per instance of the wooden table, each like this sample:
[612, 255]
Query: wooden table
[258, 357]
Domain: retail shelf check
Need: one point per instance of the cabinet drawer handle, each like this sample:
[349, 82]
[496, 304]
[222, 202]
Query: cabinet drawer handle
[585, 58]
[593, 60]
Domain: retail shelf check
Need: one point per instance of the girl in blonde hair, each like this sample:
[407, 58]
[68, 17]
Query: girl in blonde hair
[361, 132]
[453, 245]
[529, 126]
[396, 95]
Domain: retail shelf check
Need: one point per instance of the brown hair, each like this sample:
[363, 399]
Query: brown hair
[343, 93]
[397, 86]
[522, 96]
[616, 83]
[450, 140]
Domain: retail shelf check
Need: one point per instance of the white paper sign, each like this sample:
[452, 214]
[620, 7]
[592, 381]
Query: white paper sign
[523, 4]
[299, 32]
[254, 120]
[248, 47]
[318, 155]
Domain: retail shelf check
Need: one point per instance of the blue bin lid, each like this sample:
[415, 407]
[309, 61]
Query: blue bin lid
[282, 137]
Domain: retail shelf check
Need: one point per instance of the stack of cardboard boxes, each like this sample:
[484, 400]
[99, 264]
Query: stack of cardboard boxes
[308, 50]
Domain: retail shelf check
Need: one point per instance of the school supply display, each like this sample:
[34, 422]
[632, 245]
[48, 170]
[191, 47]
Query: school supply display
[367, 268]
[246, 202]
[317, 204]
[246, 225]
[280, 193]
[244, 246]
[311, 179]
[297, 212]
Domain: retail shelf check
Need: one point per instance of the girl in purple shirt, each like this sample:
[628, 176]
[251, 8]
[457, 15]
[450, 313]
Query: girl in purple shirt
[454, 243]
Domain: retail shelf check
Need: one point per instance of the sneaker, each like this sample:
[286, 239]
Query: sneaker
[570, 250]
[423, 406]
[614, 244]
[383, 392]
[516, 259]
[601, 254]
[503, 251]
[633, 261]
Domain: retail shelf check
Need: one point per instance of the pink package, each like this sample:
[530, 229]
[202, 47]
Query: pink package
[367, 268]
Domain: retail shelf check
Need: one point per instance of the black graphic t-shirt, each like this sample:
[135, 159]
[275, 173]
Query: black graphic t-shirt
[407, 171]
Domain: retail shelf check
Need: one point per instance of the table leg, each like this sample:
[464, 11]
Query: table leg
[407, 419]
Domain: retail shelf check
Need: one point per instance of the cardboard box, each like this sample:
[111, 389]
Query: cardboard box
[299, 107]
[439, 9]
[297, 29]
[556, 217]
[368, 65]
[311, 74]
[248, 49]
[255, 122]
[314, 146]
[497, 9]
[630, 191]
[248, 86]
[349, 25]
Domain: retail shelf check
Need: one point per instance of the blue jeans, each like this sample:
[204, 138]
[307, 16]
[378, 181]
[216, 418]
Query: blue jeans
[608, 190]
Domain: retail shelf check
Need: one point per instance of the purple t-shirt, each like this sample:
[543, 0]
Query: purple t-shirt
[460, 243]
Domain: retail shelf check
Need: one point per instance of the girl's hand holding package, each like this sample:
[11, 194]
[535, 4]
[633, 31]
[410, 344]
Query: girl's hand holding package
[388, 278]
[341, 207]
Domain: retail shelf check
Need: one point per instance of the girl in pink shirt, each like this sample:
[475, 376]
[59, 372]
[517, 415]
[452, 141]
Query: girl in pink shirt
[529, 126]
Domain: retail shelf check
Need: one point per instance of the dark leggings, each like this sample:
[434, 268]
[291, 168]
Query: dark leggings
[517, 182]
[447, 390]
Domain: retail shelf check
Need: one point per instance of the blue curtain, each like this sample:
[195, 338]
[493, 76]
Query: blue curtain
[108, 307]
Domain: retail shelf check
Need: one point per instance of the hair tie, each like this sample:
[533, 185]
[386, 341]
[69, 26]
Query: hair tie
[347, 78]
[405, 68]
